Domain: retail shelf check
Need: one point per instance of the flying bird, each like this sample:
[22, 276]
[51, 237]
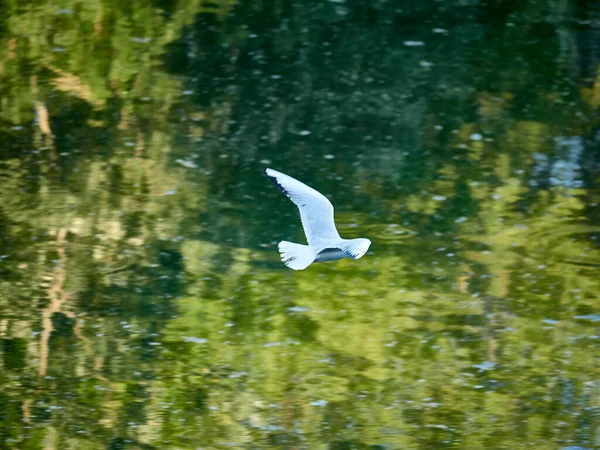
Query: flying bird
[316, 214]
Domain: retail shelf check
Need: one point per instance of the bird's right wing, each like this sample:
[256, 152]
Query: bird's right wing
[316, 211]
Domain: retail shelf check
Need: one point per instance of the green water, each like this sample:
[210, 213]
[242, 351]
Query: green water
[142, 301]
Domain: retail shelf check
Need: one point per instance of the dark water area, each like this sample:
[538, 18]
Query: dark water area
[143, 304]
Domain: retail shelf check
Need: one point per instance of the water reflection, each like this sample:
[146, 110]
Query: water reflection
[142, 302]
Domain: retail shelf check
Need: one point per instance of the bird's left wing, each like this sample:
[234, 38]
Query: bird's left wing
[316, 211]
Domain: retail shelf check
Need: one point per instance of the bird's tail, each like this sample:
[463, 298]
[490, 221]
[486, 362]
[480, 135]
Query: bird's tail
[296, 256]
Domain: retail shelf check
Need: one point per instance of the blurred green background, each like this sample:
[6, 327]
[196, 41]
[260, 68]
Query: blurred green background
[142, 301]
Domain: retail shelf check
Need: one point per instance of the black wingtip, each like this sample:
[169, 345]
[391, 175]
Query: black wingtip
[266, 172]
[270, 177]
[273, 178]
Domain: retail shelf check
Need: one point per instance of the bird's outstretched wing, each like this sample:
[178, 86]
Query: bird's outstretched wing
[316, 211]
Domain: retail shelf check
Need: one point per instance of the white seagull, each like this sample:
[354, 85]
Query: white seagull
[316, 213]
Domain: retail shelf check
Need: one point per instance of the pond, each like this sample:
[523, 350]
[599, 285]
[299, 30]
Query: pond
[143, 303]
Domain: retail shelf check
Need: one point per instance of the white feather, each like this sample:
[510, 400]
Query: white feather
[316, 212]
[296, 256]
[356, 248]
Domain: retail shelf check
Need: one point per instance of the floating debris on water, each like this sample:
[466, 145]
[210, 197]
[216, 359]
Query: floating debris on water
[590, 317]
[486, 365]
[319, 403]
[187, 163]
[550, 321]
[195, 340]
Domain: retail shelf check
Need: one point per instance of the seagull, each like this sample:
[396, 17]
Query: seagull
[316, 214]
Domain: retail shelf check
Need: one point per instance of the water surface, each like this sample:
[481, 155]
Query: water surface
[142, 301]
